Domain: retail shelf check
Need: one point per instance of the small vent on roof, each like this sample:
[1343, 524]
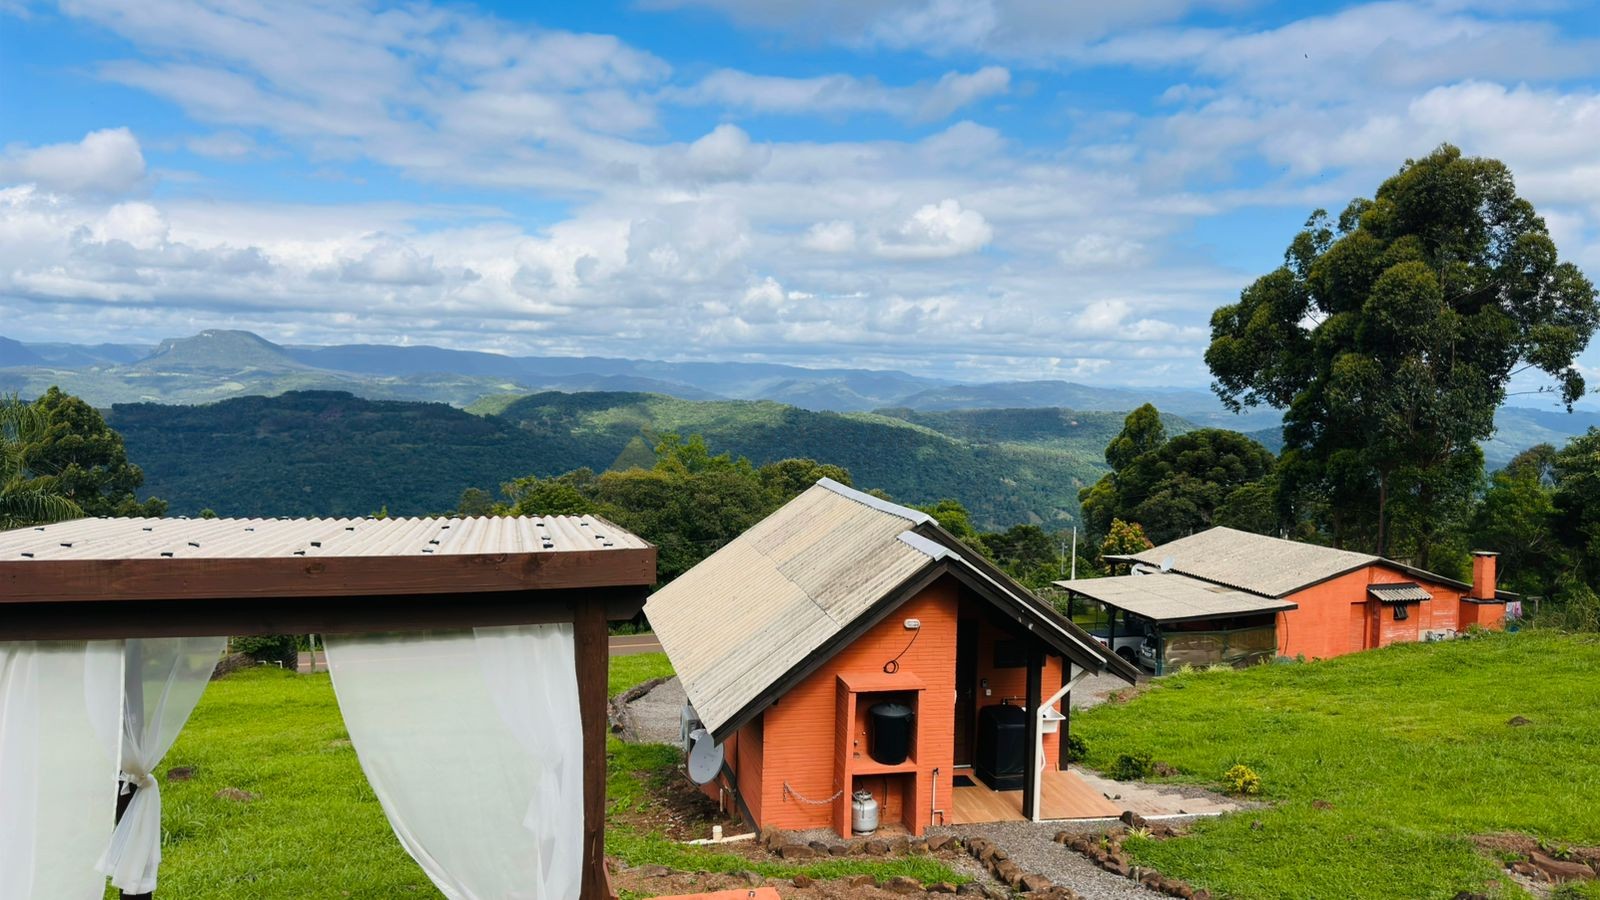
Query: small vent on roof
[66, 543]
[147, 528]
[316, 543]
[349, 528]
[427, 549]
[28, 554]
[39, 528]
[166, 553]
[435, 542]
[299, 553]
[194, 543]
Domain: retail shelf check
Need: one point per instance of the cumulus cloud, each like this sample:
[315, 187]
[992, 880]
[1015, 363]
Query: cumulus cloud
[725, 154]
[104, 162]
[927, 101]
[935, 231]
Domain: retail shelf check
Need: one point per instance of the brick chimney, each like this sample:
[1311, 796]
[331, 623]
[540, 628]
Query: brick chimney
[1483, 586]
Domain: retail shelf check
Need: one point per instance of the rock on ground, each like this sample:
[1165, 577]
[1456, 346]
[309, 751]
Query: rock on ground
[654, 717]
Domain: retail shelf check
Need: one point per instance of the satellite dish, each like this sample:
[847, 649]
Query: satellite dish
[705, 757]
[1166, 564]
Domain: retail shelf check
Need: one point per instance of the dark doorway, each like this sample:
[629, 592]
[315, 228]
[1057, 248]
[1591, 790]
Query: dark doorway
[966, 688]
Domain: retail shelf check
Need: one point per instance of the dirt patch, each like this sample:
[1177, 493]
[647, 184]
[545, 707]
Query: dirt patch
[653, 881]
[1536, 864]
[677, 809]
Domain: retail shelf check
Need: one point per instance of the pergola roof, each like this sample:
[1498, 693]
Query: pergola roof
[1170, 597]
[178, 559]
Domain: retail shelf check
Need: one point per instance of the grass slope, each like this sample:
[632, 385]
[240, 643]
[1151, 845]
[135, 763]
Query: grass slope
[316, 830]
[1410, 745]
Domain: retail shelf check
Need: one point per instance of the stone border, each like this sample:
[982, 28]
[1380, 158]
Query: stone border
[1106, 852]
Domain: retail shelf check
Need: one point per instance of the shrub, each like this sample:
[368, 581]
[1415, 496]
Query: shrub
[279, 649]
[1242, 780]
[1133, 767]
[1077, 750]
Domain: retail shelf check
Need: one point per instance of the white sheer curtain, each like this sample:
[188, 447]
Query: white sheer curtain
[473, 743]
[58, 767]
[163, 679]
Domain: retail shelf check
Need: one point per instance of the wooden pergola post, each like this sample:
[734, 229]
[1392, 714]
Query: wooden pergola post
[591, 656]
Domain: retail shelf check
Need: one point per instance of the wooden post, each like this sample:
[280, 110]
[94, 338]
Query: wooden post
[1030, 782]
[590, 660]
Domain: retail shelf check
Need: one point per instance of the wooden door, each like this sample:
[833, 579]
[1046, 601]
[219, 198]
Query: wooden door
[966, 689]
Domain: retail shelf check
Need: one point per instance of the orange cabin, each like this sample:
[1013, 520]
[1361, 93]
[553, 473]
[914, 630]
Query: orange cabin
[839, 604]
[1228, 596]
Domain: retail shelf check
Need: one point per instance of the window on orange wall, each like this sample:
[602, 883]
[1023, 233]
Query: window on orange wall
[1400, 613]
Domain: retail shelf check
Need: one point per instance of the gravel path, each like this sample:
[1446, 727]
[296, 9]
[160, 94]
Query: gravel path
[1092, 690]
[1030, 846]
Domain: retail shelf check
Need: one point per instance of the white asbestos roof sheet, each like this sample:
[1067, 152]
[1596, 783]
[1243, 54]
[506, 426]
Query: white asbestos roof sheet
[1264, 565]
[1404, 592]
[1169, 597]
[167, 538]
[740, 620]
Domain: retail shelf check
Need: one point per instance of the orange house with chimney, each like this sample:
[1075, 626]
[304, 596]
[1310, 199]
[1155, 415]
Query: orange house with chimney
[846, 647]
[1231, 596]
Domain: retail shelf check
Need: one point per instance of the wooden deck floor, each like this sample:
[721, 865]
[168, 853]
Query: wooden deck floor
[1066, 796]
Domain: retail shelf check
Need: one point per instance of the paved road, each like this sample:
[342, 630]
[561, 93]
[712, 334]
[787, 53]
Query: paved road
[629, 644]
[621, 645]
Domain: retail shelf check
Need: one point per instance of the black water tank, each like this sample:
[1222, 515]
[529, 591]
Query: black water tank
[1002, 757]
[889, 732]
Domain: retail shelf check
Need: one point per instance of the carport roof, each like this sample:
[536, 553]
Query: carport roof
[1170, 597]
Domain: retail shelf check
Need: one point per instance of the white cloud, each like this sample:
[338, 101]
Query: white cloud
[935, 231]
[927, 101]
[725, 154]
[104, 162]
[831, 237]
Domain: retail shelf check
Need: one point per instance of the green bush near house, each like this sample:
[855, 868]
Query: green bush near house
[1377, 767]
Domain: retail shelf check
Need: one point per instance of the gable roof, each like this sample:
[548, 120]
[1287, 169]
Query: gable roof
[1171, 597]
[777, 602]
[1265, 565]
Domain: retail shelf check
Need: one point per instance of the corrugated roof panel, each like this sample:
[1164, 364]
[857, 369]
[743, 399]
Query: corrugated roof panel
[113, 538]
[760, 605]
[1403, 592]
[1263, 565]
[1168, 597]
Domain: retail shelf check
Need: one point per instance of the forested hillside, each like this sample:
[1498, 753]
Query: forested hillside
[321, 453]
[329, 453]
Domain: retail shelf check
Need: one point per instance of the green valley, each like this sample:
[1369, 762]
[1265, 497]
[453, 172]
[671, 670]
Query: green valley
[330, 453]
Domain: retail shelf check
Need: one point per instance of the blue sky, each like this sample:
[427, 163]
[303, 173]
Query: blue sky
[982, 190]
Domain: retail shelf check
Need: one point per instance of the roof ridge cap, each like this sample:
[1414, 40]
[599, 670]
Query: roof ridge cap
[914, 516]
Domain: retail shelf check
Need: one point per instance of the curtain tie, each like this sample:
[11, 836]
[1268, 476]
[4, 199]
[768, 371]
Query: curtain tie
[142, 782]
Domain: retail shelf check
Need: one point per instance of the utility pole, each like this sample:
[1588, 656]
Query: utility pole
[1074, 553]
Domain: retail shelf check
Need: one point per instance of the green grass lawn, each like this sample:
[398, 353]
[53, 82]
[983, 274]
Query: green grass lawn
[316, 830]
[637, 668]
[1411, 747]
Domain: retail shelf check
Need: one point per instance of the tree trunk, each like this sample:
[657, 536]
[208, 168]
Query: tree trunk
[1383, 514]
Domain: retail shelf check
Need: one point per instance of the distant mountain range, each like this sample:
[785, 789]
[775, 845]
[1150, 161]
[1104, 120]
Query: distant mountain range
[219, 364]
[216, 364]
